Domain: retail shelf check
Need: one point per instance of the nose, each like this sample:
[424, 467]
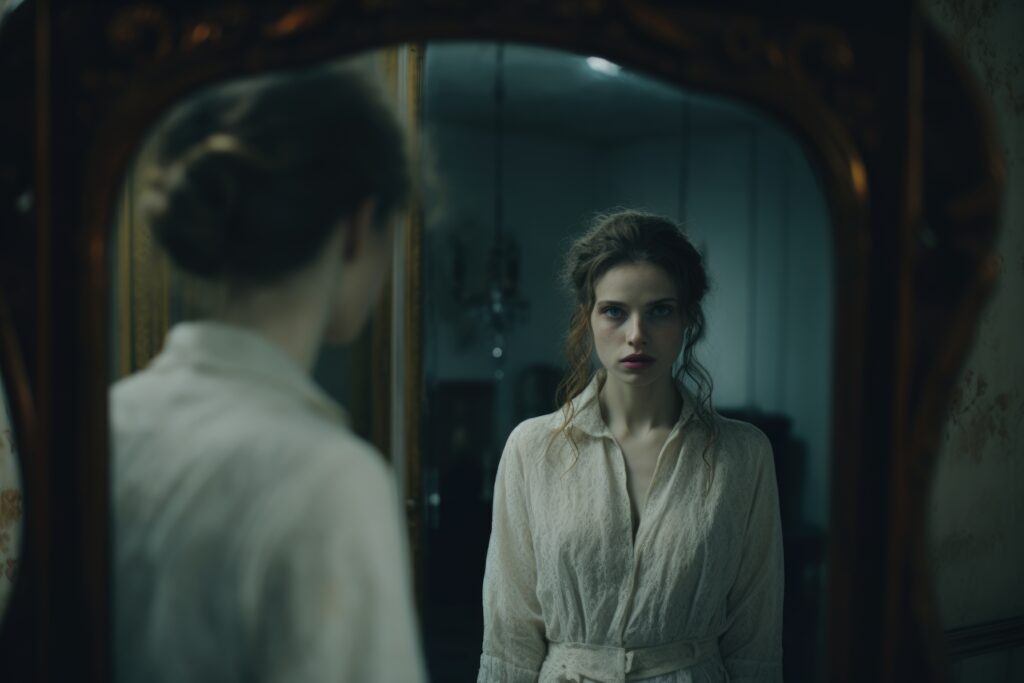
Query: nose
[635, 333]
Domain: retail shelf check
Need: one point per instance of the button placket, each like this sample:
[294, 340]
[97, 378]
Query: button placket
[626, 598]
[626, 592]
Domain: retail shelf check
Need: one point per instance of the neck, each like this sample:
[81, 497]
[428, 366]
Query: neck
[292, 315]
[632, 409]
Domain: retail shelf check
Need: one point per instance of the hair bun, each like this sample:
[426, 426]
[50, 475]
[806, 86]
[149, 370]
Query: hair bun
[192, 207]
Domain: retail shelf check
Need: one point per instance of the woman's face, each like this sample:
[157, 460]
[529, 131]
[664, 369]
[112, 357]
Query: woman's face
[637, 323]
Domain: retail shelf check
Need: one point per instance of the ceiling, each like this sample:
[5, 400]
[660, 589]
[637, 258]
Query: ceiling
[551, 92]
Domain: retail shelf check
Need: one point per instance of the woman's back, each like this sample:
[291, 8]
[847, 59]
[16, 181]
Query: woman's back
[256, 537]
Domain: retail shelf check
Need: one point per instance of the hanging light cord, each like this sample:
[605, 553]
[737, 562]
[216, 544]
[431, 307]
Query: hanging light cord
[499, 124]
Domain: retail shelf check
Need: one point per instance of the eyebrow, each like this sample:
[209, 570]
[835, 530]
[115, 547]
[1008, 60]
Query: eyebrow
[666, 300]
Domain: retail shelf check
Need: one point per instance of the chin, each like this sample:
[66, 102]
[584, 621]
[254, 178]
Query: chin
[640, 379]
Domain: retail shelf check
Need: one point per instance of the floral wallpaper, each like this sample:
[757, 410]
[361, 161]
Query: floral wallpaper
[10, 503]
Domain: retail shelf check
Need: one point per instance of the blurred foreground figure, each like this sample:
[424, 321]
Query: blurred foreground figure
[256, 537]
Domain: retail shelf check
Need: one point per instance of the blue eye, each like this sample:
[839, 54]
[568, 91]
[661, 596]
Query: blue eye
[613, 312]
[660, 312]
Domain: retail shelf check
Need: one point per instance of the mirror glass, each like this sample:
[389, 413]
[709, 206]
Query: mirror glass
[10, 501]
[528, 144]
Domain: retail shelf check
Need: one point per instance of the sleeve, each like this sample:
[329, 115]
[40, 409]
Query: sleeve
[349, 612]
[514, 646]
[751, 646]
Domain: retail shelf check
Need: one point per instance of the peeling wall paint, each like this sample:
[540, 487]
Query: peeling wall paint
[977, 506]
[977, 418]
[975, 29]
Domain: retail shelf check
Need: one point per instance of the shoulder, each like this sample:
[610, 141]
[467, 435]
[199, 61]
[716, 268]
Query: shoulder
[535, 430]
[345, 479]
[323, 454]
[220, 408]
[532, 440]
[188, 419]
[323, 477]
[127, 392]
[742, 434]
[741, 445]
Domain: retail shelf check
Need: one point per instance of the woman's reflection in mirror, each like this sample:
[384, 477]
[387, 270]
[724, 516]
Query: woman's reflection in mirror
[636, 533]
[256, 537]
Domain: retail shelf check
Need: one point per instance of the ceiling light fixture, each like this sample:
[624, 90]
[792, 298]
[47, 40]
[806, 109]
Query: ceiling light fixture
[603, 65]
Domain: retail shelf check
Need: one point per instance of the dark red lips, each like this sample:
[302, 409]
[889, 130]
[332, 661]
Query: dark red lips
[638, 358]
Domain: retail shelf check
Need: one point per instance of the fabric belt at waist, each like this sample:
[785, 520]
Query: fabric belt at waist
[609, 664]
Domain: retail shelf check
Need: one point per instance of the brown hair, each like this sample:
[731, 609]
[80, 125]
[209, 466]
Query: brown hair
[633, 237]
[252, 176]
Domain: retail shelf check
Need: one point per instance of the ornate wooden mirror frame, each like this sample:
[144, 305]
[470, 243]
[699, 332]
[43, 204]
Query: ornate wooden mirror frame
[898, 134]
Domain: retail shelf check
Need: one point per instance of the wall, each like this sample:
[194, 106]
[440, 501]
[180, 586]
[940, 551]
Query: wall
[977, 507]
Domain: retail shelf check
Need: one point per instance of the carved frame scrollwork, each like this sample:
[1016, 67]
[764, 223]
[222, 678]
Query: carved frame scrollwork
[914, 213]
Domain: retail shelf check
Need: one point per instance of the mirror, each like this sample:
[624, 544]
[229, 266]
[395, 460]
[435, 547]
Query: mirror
[10, 502]
[910, 292]
[529, 144]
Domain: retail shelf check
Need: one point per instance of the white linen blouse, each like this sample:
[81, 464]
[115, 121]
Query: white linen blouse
[571, 595]
[256, 538]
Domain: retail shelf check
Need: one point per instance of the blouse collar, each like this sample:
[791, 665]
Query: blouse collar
[589, 420]
[239, 352]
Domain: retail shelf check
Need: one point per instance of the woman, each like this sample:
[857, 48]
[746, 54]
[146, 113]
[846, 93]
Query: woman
[636, 533]
[256, 537]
